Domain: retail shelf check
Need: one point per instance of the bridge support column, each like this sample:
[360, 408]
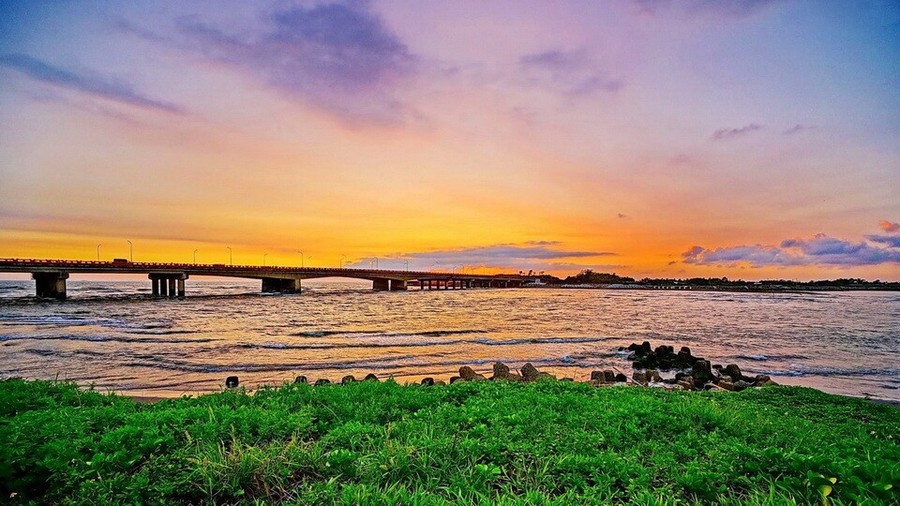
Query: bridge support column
[168, 285]
[398, 284]
[50, 284]
[381, 285]
[280, 285]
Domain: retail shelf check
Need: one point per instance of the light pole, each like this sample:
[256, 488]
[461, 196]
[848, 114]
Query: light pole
[230, 256]
[301, 258]
[195, 256]
[264, 259]
[130, 251]
[98, 252]
[407, 265]
[343, 258]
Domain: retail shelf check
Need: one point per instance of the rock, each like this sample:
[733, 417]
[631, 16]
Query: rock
[653, 376]
[686, 383]
[639, 377]
[323, 381]
[348, 379]
[702, 373]
[467, 373]
[454, 379]
[742, 385]
[567, 379]
[621, 378]
[725, 384]
[545, 376]
[427, 382]
[645, 348]
[763, 380]
[370, 377]
[733, 371]
[598, 376]
[684, 359]
[609, 376]
[301, 379]
[529, 372]
[440, 383]
[501, 372]
[649, 361]
[663, 349]
[232, 382]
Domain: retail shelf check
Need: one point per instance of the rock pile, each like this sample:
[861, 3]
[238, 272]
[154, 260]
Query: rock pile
[692, 372]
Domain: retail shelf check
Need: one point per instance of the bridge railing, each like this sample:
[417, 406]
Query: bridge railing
[193, 267]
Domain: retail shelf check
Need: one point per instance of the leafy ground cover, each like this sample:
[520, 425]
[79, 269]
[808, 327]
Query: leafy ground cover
[550, 442]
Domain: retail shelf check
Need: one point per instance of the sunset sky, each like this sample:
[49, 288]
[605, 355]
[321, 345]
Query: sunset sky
[743, 138]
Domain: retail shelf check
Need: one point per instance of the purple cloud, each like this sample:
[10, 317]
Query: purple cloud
[819, 250]
[568, 72]
[734, 133]
[88, 82]
[892, 241]
[339, 56]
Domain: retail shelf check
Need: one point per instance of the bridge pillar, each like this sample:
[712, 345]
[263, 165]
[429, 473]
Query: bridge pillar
[381, 284]
[50, 284]
[280, 285]
[167, 284]
[398, 284]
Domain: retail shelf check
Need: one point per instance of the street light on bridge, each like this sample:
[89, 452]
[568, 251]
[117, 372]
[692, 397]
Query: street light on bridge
[130, 251]
[343, 258]
[230, 256]
[264, 258]
[98, 252]
[195, 255]
[301, 258]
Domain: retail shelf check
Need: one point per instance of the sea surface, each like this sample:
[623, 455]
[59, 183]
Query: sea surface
[115, 336]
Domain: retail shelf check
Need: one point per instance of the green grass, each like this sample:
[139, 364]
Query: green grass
[467, 443]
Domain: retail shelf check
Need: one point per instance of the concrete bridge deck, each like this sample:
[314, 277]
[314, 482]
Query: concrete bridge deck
[168, 279]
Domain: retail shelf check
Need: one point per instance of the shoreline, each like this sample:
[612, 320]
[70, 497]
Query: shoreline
[153, 399]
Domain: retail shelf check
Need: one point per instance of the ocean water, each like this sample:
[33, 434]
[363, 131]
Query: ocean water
[113, 335]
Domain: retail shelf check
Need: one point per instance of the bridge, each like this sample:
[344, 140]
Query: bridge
[168, 279]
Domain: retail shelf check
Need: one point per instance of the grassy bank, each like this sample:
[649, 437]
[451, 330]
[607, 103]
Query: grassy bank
[479, 442]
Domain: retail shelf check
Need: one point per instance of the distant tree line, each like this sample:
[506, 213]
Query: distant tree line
[589, 277]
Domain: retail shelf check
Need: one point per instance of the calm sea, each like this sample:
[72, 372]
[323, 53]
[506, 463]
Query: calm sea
[115, 336]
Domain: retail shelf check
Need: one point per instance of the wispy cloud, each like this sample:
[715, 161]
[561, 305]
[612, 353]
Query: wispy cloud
[733, 9]
[87, 82]
[570, 73]
[818, 250]
[889, 226]
[339, 56]
[798, 128]
[734, 133]
[526, 255]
